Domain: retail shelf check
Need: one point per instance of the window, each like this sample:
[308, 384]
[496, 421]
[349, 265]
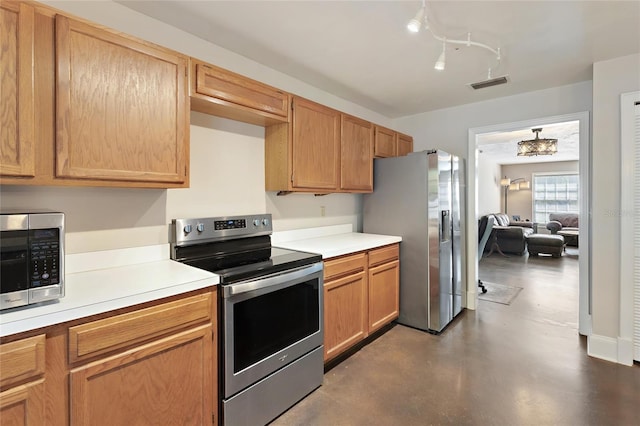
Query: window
[554, 193]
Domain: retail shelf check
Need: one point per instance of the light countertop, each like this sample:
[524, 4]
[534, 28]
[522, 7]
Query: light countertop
[331, 241]
[99, 282]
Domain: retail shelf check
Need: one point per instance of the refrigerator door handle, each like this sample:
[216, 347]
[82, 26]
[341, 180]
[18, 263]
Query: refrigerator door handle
[445, 223]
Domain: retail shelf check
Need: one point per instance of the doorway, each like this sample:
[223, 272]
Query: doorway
[584, 314]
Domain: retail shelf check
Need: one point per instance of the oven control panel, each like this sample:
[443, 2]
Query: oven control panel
[193, 231]
[230, 224]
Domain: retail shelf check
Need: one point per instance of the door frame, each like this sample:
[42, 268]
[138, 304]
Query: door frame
[584, 170]
[627, 351]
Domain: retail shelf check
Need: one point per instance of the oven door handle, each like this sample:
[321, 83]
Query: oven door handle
[271, 281]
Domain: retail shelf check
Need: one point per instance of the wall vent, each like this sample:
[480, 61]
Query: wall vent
[488, 83]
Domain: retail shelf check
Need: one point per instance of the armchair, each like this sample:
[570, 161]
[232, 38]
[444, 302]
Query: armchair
[559, 223]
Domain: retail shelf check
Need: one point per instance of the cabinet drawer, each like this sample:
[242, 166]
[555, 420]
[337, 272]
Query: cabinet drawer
[384, 254]
[344, 265]
[98, 337]
[22, 360]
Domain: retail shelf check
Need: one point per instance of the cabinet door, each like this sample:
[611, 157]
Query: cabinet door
[316, 145]
[167, 382]
[216, 90]
[384, 294]
[405, 144]
[356, 147]
[385, 142]
[22, 360]
[345, 313]
[122, 107]
[17, 117]
[23, 405]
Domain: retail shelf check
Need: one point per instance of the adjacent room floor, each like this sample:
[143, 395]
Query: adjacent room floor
[517, 364]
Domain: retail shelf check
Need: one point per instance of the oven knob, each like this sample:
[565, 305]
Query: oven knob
[200, 227]
[265, 222]
[256, 222]
[187, 229]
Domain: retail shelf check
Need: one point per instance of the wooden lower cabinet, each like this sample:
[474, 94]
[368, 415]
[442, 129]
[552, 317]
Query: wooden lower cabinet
[155, 365]
[168, 381]
[361, 295]
[22, 372]
[383, 294]
[23, 405]
[345, 313]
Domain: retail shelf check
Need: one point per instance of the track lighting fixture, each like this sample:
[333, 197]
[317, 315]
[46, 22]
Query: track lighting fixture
[421, 20]
[440, 63]
[415, 24]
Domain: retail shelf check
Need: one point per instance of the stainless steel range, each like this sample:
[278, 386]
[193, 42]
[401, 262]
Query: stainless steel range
[270, 313]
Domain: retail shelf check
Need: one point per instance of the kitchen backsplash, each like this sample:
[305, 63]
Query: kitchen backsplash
[227, 178]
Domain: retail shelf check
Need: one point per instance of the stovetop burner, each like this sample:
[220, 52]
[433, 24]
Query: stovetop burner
[237, 248]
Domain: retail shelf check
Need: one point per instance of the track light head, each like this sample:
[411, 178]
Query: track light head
[440, 63]
[415, 23]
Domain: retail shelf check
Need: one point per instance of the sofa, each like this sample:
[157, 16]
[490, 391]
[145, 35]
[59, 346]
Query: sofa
[510, 235]
[564, 222]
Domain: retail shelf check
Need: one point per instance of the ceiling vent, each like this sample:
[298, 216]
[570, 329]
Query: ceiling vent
[488, 83]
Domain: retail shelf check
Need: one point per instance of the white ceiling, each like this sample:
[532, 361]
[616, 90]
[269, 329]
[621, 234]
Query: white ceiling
[502, 147]
[362, 51]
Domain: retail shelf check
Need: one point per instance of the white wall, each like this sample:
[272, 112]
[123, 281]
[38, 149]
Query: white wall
[489, 188]
[227, 159]
[448, 128]
[521, 202]
[610, 79]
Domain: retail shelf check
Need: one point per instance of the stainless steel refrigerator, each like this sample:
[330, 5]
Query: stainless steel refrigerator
[420, 197]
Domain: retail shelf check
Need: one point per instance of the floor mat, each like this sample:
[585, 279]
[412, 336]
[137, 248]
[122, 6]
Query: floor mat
[499, 293]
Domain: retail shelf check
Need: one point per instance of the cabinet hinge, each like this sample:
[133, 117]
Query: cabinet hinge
[291, 104]
[213, 419]
[291, 177]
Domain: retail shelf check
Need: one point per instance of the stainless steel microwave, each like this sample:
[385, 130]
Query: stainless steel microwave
[31, 258]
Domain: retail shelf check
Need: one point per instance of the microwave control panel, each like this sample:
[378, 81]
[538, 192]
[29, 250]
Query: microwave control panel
[45, 256]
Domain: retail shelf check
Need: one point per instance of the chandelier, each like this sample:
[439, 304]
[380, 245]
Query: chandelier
[537, 146]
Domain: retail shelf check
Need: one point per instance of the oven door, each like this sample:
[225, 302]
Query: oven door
[270, 322]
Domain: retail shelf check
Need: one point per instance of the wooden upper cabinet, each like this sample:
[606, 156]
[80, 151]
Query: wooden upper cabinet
[216, 91]
[356, 165]
[315, 146]
[122, 107]
[384, 142]
[17, 117]
[405, 144]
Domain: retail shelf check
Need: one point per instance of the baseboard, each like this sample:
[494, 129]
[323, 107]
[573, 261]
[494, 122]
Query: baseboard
[625, 351]
[617, 350]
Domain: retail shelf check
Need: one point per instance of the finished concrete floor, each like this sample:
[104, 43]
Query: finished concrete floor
[518, 364]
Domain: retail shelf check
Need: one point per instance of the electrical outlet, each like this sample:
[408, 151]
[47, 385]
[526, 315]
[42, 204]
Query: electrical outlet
[322, 211]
